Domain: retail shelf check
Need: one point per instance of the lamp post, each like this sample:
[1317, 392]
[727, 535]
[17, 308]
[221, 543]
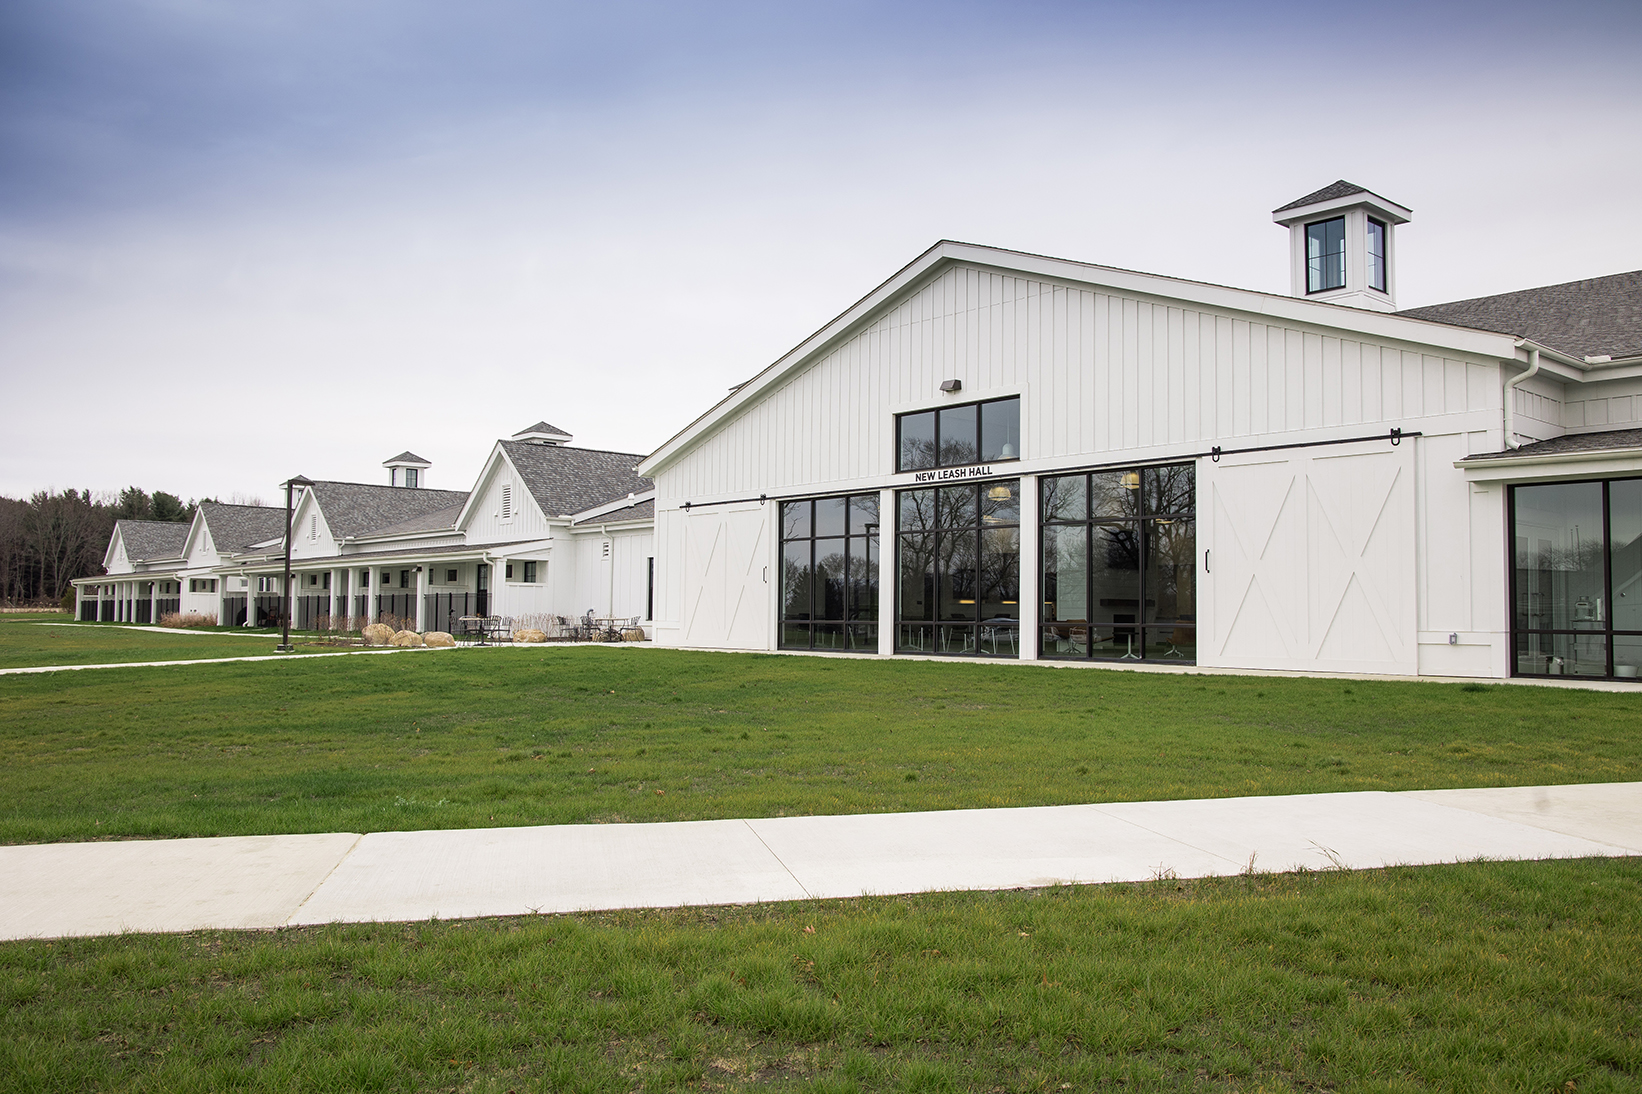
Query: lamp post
[285, 601]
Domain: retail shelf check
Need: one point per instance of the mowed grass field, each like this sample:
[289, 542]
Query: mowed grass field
[33, 640]
[545, 735]
[1464, 978]
[1470, 977]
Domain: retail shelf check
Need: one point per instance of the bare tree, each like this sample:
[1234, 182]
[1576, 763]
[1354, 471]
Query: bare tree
[64, 535]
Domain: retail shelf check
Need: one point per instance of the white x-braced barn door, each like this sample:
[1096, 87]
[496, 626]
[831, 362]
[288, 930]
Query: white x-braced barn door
[727, 595]
[1309, 559]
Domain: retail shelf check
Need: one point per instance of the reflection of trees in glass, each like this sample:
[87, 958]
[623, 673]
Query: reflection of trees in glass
[916, 588]
[1121, 545]
[829, 576]
[1000, 571]
[1171, 567]
[1064, 498]
[863, 583]
[796, 583]
[1171, 489]
[1114, 494]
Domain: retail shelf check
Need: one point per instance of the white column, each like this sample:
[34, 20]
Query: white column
[421, 592]
[1031, 601]
[887, 572]
[153, 602]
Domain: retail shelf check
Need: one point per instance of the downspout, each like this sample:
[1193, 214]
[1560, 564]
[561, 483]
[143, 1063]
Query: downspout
[1510, 393]
[610, 593]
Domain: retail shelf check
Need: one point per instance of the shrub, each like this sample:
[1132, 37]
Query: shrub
[189, 619]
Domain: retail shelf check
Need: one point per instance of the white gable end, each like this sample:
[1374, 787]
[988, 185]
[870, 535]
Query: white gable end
[310, 535]
[1098, 371]
[501, 509]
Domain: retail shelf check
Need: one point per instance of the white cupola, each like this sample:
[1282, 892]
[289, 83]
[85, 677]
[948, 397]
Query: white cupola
[1342, 246]
[407, 469]
[542, 433]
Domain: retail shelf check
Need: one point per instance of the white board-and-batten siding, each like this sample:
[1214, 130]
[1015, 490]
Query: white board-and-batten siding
[1098, 372]
[486, 523]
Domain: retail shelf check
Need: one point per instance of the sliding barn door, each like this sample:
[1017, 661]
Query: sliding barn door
[727, 604]
[1309, 559]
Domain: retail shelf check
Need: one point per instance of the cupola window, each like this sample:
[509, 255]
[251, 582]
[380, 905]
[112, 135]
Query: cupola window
[1376, 255]
[1326, 255]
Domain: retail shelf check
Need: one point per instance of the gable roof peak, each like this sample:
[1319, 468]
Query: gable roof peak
[406, 458]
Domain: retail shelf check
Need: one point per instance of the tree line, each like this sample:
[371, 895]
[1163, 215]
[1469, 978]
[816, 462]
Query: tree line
[48, 539]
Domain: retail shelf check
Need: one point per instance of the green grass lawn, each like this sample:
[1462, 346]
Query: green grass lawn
[559, 735]
[28, 641]
[1472, 977]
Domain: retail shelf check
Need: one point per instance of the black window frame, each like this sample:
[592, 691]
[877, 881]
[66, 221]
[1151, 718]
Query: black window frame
[856, 633]
[1141, 525]
[1607, 631]
[980, 431]
[1344, 276]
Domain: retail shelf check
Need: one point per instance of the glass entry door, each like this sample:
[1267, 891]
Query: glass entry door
[959, 573]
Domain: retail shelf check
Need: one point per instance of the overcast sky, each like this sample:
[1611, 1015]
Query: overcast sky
[239, 241]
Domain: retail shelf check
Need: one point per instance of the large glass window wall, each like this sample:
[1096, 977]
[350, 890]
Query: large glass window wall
[829, 563]
[1576, 579]
[1119, 558]
[959, 562]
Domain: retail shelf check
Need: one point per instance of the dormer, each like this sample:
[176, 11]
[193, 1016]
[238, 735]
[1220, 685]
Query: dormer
[1341, 246]
[542, 433]
[407, 469]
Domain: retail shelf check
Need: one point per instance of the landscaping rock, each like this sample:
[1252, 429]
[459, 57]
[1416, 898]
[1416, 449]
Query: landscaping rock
[377, 634]
[406, 638]
[438, 638]
[529, 634]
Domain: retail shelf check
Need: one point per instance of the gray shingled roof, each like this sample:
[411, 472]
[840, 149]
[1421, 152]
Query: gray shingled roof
[644, 510]
[543, 427]
[1341, 189]
[1600, 315]
[1568, 444]
[568, 480]
[356, 509]
[435, 521]
[407, 456]
[147, 540]
[235, 527]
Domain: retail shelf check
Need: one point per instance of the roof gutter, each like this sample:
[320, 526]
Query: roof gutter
[1511, 394]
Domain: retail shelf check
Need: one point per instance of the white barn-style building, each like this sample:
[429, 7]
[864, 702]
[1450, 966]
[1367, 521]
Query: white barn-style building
[547, 530]
[1009, 455]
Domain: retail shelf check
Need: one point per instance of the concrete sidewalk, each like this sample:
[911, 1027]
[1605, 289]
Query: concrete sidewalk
[56, 890]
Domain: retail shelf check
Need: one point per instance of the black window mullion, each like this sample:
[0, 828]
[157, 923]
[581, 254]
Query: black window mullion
[1607, 577]
[1088, 571]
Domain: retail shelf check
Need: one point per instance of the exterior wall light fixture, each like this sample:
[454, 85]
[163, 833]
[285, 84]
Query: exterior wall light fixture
[949, 386]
